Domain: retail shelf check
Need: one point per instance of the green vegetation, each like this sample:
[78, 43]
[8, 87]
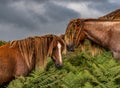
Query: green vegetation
[80, 70]
[2, 43]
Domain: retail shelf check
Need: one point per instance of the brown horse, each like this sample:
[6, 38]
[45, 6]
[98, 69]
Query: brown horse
[103, 32]
[21, 56]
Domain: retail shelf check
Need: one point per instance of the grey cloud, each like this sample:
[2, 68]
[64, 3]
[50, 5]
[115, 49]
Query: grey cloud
[104, 7]
[54, 13]
[12, 1]
[17, 17]
[41, 1]
[27, 18]
[58, 13]
[77, 1]
[4, 1]
[7, 1]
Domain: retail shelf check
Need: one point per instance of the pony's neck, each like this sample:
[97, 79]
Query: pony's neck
[96, 31]
[41, 48]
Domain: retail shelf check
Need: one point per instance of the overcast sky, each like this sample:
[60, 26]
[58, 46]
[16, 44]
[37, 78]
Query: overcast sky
[22, 18]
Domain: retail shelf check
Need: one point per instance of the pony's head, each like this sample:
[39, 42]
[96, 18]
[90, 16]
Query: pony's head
[73, 34]
[56, 49]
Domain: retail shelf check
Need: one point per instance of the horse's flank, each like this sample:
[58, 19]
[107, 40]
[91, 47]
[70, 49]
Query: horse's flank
[105, 33]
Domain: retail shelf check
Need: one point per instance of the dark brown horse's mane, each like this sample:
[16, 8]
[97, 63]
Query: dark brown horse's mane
[78, 21]
[101, 20]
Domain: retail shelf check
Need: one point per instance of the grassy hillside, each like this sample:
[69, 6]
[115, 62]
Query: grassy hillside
[80, 70]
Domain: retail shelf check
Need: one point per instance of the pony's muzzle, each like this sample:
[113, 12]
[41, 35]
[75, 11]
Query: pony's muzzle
[70, 48]
[59, 66]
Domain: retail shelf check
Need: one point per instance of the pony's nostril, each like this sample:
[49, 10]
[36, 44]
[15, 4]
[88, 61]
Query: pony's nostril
[58, 66]
[70, 48]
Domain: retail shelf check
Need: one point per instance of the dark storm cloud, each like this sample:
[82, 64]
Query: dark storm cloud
[40, 1]
[7, 1]
[11, 1]
[104, 7]
[14, 16]
[100, 5]
[53, 12]
[58, 13]
[78, 1]
[28, 18]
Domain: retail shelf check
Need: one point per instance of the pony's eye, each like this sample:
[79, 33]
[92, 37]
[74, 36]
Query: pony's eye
[54, 48]
[73, 25]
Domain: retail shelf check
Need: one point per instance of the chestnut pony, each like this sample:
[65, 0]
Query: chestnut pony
[105, 33]
[19, 57]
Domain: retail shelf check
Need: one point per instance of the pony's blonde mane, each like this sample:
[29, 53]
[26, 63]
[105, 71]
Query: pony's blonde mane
[73, 31]
[26, 48]
[37, 48]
